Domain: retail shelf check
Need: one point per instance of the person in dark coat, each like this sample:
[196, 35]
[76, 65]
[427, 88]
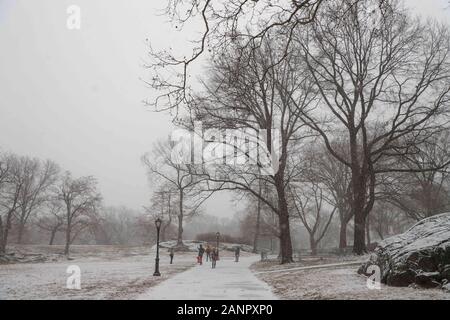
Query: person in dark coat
[214, 255]
[237, 252]
[201, 251]
[171, 254]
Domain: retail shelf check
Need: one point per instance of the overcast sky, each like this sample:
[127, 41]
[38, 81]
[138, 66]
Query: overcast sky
[75, 96]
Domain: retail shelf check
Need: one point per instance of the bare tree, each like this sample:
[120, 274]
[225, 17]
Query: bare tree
[385, 84]
[423, 193]
[6, 213]
[249, 90]
[115, 226]
[10, 191]
[37, 177]
[387, 219]
[81, 200]
[163, 168]
[52, 220]
[164, 205]
[309, 202]
[258, 222]
[335, 178]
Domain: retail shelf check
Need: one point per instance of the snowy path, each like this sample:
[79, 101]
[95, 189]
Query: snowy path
[228, 281]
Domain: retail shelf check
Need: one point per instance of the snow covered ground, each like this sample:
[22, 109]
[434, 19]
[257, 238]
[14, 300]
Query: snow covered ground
[229, 281]
[335, 282]
[107, 272]
[113, 272]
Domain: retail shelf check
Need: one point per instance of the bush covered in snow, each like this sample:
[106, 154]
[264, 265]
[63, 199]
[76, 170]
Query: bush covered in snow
[421, 255]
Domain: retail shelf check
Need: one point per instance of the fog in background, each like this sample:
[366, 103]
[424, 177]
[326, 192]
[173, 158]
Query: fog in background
[76, 96]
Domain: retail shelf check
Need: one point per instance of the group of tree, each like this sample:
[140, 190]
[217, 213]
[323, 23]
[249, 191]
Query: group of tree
[177, 193]
[359, 91]
[40, 202]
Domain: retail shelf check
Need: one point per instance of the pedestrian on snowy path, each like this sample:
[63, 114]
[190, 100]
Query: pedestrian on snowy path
[208, 252]
[201, 251]
[171, 254]
[237, 252]
[214, 255]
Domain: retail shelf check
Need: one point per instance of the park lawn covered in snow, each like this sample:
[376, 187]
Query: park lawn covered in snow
[107, 272]
[337, 282]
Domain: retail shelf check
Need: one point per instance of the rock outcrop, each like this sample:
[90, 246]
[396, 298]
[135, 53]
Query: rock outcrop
[419, 256]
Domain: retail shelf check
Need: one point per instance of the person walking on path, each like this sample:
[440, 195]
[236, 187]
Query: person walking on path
[237, 252]
[213, 258]
[201, 251]
[171, 254]
[208, 252]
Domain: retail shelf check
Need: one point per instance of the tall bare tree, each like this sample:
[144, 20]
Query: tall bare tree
[163, 167]
[164, 205]
[250, 90]
[81, 200]
[13, 176]
[423, 193]
[37, 177]
[310, 205]
[383, 78]
[323, 168]
[6, 213]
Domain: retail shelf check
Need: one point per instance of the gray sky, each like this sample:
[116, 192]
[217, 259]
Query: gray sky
[75, 96]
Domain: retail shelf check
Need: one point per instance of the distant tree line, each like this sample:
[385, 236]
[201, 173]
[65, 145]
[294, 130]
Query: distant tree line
[40, 203]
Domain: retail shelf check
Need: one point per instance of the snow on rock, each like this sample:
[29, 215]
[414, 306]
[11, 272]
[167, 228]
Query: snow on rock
[446, 287]
[192, 245]
[421, 255]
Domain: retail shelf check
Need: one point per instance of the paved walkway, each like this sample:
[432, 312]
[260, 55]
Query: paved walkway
[230, 280]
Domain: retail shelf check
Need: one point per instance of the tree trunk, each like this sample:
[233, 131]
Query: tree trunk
[5, 232]
[358, 196]
[180, 221]
[258, 219]
[163, 232]
[283, 213]
[285, 231]
[368, 230]
[52, 236]
[359, 241]
[166, 225]
[343, 235]
[2, 246]
[67, 247]
[313, 245]
[20, 234]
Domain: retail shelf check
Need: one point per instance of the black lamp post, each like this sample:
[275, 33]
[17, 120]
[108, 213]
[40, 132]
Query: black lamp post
[158, 226]
[217, 238]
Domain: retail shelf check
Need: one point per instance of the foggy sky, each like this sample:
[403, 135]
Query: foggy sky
[76, 96]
